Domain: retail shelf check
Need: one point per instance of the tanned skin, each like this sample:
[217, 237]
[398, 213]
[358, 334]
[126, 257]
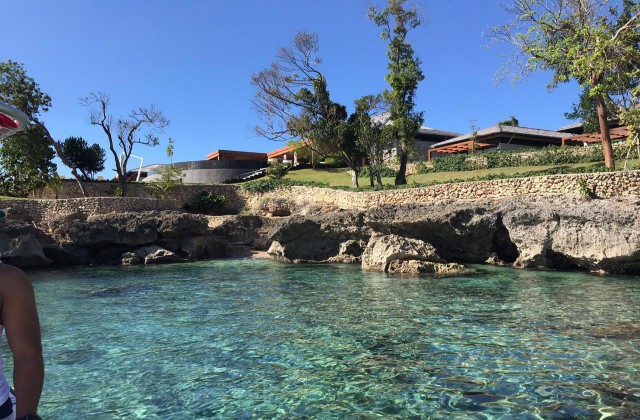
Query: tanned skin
[20, 319]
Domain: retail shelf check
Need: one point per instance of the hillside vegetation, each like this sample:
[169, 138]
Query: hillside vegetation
[337, 177]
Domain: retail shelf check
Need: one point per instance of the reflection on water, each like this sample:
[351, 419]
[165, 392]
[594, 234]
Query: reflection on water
[248, 338]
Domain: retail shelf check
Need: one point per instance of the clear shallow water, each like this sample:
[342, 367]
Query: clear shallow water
[254, 338]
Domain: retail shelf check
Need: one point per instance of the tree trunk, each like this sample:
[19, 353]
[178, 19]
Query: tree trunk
[123, 186]
[371, 175]
[607, 149]
[401, 178]
[379, 178]
[354, 177]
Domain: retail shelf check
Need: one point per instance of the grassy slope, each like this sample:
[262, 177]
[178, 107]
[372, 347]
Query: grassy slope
[341, 177]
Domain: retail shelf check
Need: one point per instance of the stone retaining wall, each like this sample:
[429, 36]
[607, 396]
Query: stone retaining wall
[42, 210]
[603, 185]
[182, 194]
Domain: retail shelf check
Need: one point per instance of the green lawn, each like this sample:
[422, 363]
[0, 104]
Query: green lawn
[341, 177]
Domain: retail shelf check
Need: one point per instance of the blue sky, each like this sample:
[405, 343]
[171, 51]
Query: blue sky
[193, 59]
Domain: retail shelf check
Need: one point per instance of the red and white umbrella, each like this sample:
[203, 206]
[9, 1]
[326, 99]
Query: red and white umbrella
[12, 120]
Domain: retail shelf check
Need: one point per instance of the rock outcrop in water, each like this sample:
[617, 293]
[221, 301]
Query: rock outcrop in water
[136, 238]
[595, 235]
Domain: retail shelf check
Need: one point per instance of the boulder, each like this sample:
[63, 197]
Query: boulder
[320, 238]
[23, 251]
[155, 254]
[277, 207]
[459, 231]
[595, 235]
[131, 258]
[350, 252]
[383, 249]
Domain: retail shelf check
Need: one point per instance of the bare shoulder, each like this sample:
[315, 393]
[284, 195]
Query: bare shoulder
[12, 278]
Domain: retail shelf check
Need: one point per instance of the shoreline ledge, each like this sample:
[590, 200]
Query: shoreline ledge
[546, 232]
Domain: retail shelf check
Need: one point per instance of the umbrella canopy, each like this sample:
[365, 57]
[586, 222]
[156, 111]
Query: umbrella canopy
[12, 120]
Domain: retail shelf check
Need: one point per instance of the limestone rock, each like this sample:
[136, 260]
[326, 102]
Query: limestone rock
[131, 258]
[459, 231]
[157, 255]
[350, 252]
[23, 251]
[249, 230]
[194, 247]
[319, 238]
[383, 249]
[277, 207]
[596, 235]
[276, 251]
[427, 267]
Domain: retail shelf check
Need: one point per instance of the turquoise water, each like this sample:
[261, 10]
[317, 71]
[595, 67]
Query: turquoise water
[258, 339]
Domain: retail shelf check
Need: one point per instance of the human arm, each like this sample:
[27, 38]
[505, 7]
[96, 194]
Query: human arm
[20, 319]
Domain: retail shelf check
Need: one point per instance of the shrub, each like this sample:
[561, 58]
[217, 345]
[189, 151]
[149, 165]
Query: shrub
[385, 172]
[585, 190]
[170, 177]
[267, 184]
[277, 170]
[207, 202]
[503, 160]
[422, 167]
[452, 163]
[334, 162]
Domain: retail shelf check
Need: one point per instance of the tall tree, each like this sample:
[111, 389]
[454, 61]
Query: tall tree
[589, 41]
[293, 102]
[21, 91]
[25, 157]
[370, 119]
[89, 160]
[586, 111]
[404, 76]
[141, 126]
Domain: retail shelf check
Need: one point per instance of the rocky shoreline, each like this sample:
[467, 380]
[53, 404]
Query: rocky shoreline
[438, 238]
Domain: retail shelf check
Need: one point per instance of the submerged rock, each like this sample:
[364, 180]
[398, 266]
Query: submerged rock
[427, 267]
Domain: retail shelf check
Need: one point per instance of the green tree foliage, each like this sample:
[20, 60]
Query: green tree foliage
[89, 160]
[21, 91]
[169, 176]
[511, 121]
[141, 126]
[589, 41]
[25, 157]
[207, 202]
[25, 162]
[396, 20]
[370, 119]
[293, 102]
[277, 170]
